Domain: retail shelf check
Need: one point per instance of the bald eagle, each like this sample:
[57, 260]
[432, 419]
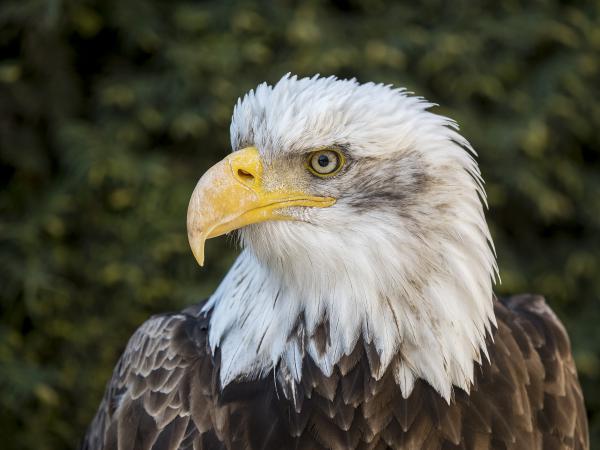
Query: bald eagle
[360, 313]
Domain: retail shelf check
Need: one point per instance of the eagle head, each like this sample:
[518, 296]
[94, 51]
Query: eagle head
[360, 210]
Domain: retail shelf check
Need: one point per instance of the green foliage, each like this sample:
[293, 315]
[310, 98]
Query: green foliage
[111, 110]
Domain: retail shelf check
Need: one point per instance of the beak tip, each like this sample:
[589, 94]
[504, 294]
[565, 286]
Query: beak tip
[199, 258]
[197, 246]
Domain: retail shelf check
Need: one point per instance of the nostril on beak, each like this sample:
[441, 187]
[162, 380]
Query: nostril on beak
[246, 177]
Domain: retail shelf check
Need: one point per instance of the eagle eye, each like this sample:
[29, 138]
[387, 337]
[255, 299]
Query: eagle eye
[325, 163]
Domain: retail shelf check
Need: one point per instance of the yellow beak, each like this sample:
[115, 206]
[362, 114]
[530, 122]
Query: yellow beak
[230, 195]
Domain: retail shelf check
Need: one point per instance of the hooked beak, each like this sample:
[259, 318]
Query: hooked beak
[230, 195]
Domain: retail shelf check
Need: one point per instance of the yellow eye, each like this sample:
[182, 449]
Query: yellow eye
[325, 163]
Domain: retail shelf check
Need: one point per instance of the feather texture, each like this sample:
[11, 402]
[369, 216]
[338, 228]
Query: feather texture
[526, 397]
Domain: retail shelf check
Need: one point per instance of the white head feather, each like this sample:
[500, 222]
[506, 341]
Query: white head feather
[403, 260]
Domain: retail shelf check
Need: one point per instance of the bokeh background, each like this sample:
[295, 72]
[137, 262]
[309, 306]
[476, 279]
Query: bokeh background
[110, 110]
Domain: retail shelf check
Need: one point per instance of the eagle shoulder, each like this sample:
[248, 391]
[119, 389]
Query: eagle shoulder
[532, 339]
[160, 394]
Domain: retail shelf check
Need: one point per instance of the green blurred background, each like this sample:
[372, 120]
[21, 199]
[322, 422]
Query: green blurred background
[110, 110]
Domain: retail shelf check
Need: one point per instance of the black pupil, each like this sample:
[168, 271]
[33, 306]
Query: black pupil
[323, 160]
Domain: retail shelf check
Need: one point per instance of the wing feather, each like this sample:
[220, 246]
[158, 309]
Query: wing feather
[147, 401]
[554, 393]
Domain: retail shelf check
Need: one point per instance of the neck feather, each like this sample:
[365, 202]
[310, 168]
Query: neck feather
[425, 306]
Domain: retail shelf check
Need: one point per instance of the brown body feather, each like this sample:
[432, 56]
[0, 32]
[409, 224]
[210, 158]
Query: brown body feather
[165, 395]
